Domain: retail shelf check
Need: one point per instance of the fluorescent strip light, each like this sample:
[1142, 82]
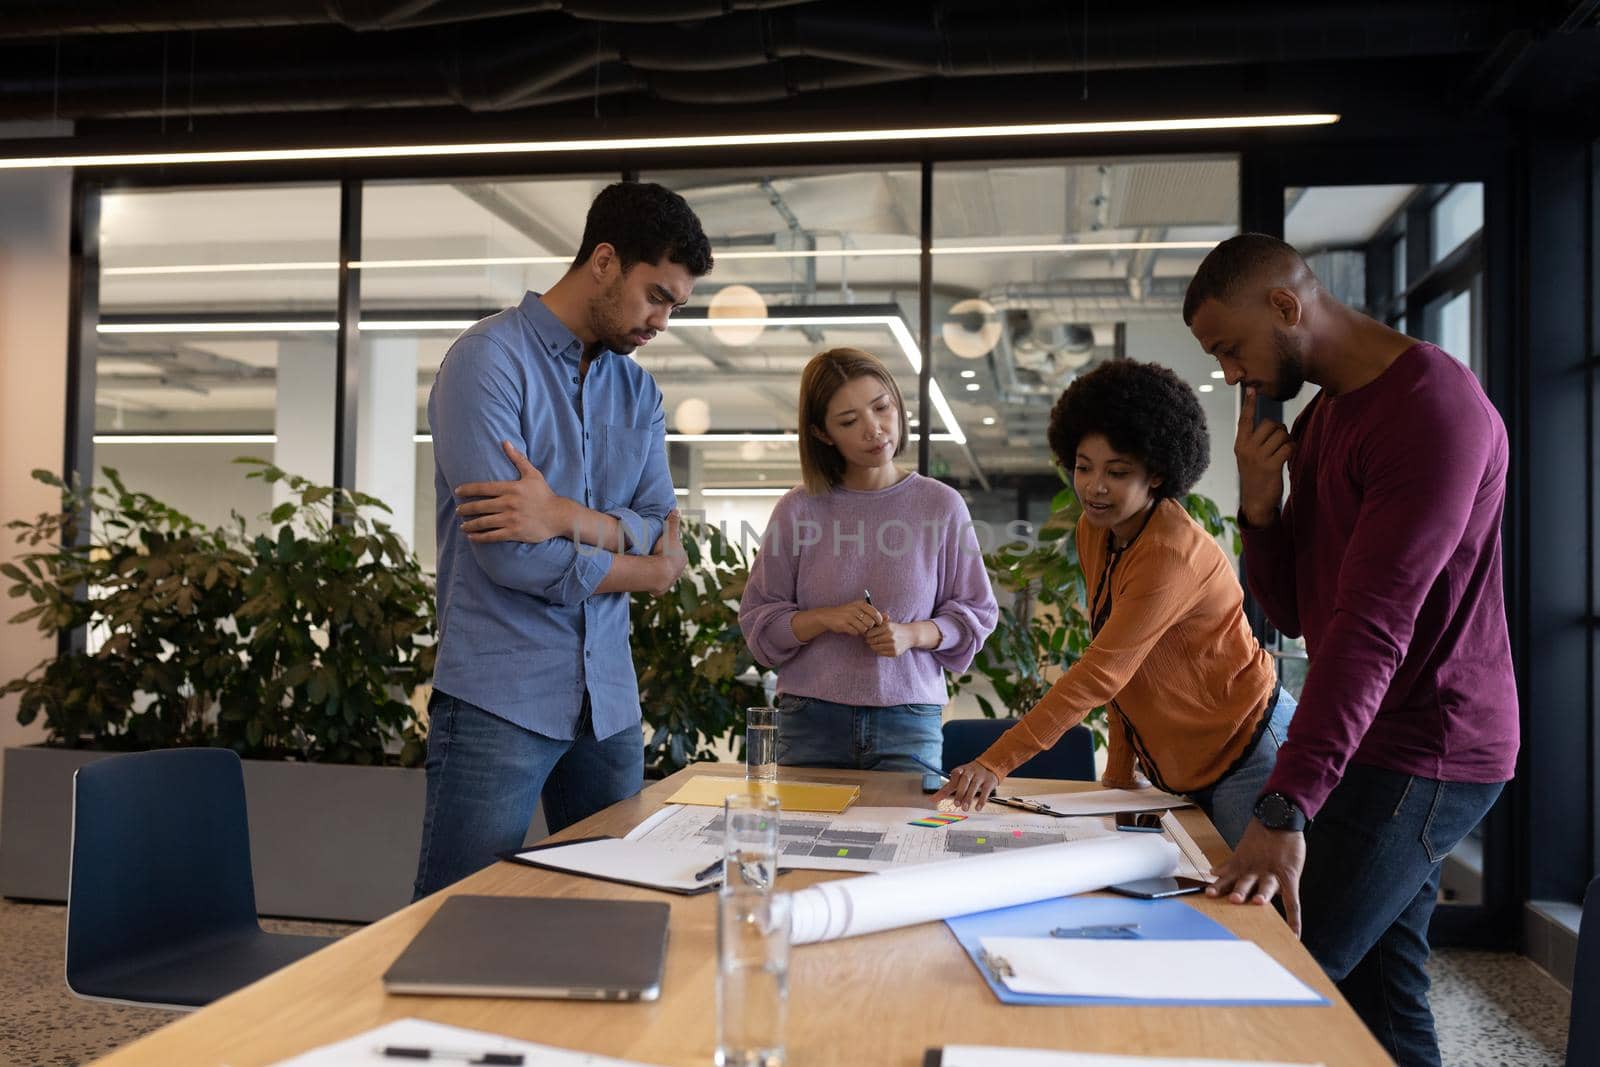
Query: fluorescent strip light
[416, 325]
[720, 255]
[219, 268]
[185, 438]
[893, 323]
[721, 438]
[300, 326]
[1104, 246]
[484, 261]
[727, 140]
[421, 438]
[735, 492]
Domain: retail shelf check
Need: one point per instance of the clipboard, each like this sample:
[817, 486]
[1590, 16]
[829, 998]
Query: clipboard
[1153, 919]
[524, 857]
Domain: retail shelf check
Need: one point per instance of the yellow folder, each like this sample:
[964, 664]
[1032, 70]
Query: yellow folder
[711, 790]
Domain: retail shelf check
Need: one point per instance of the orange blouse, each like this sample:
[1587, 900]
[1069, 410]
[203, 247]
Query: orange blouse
[1184, 679]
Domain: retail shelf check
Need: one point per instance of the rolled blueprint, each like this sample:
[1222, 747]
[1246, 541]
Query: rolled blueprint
[929, 892]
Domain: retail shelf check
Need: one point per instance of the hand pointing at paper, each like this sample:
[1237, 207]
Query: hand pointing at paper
[969, 786]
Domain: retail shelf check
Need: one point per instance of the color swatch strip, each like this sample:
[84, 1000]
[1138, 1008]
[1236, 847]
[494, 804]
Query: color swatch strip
[941, 819]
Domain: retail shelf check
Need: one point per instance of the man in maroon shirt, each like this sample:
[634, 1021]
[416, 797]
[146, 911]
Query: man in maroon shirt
[1386, 556]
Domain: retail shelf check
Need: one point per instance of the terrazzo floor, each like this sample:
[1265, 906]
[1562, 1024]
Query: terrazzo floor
[1494, 1009]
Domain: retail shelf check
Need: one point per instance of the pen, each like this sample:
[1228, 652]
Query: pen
[407, 1052]
[866, 594]
[930, 768]
[708, 871]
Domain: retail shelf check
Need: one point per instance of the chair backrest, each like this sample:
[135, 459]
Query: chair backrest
[160, 855]
[1583, 1034]
[1071, 759]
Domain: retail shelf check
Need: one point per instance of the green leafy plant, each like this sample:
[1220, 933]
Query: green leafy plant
[691, 656]
[1043, 627]
[303, 643]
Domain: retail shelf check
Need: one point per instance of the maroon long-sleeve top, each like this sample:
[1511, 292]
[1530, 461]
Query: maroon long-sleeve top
[1387, 558]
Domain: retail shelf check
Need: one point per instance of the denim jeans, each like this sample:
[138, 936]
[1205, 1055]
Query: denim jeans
[820, 733]
[486, 777]
[1371, 880]
[1230, 803]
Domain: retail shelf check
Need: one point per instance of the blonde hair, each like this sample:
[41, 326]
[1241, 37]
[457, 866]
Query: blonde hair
[821, 465]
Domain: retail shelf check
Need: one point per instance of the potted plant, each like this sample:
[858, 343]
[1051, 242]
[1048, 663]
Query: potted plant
[695, 670]
[298, 648]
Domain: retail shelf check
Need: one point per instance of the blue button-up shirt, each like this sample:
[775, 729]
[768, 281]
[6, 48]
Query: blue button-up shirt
[522, 632]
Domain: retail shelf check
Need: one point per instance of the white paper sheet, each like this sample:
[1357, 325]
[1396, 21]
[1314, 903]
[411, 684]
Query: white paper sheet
[881, 839]
[367, 1048]
[933, 891]
[1108, 801]
[645, 862]
[994, 1056]
[1145, 970]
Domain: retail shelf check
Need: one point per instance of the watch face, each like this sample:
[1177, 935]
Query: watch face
[1273, 810]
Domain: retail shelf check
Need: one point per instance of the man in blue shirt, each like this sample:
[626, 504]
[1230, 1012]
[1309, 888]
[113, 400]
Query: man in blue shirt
[535, 692]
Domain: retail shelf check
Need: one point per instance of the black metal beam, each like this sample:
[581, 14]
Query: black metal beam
[347, 373]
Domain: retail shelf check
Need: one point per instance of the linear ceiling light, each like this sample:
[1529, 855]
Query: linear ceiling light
[893, 323]
[798, 253]
[727, 140]
[422, 438]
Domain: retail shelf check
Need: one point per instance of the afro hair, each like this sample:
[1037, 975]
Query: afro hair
[1145, 411]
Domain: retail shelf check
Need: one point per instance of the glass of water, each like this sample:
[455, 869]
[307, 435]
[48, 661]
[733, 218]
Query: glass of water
[761, 744]
[749, 841]
[752, 977]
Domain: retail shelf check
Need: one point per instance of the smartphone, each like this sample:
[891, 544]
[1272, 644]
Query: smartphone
[1139, 822]
[932, 783]
[1156, 888]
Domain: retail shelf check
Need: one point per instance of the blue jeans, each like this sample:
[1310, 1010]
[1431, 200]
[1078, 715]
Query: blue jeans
[486, 777]
[1230, 803]
[1371, 880]
[820, 733]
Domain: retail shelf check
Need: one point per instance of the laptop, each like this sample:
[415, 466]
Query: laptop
[558, 947]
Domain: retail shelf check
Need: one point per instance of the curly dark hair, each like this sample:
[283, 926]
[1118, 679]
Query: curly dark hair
[1145, 411]
[644, 221]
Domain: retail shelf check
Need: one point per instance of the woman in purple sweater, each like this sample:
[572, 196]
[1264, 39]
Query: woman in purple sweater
[869, 584]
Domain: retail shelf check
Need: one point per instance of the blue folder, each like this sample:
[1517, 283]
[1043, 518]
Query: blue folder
[1169, 920]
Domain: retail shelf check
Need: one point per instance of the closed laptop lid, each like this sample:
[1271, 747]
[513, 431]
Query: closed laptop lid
[536, 947]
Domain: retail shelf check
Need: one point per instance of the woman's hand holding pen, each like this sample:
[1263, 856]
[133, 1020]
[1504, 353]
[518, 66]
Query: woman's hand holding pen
[969, 786]
[853, 619]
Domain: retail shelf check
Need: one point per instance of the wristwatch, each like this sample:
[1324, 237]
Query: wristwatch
[1278, 812]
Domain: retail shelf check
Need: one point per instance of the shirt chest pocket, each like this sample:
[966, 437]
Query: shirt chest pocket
[618, 463]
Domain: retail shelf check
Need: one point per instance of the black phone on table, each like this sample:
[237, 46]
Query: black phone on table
[1139, 822]
[1157, 888]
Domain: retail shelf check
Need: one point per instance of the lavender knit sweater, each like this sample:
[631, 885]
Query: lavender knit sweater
[913, 546]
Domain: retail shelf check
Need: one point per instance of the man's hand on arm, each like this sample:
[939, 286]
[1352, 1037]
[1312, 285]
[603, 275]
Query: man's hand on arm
[1266, 863]
[528, 510]
[1262, 450]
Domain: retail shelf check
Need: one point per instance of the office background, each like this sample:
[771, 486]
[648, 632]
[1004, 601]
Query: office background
[162, 320]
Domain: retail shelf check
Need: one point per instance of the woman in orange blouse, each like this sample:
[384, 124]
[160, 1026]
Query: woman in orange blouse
[1191, 696]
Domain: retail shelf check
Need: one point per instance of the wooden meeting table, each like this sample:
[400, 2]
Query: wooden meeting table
[878, 1000]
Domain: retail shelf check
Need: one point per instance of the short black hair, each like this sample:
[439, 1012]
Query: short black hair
[1231, 264]
[1145, 411]
[644, 222]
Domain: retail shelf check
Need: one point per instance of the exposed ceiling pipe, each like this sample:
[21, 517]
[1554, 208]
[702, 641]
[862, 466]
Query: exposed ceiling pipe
[165, 16]
[761, 54]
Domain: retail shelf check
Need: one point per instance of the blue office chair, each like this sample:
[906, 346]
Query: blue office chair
[1583, 1033]
[161, 905]
[1072, 758]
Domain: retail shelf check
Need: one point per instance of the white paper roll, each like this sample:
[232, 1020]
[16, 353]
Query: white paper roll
[929, 892]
